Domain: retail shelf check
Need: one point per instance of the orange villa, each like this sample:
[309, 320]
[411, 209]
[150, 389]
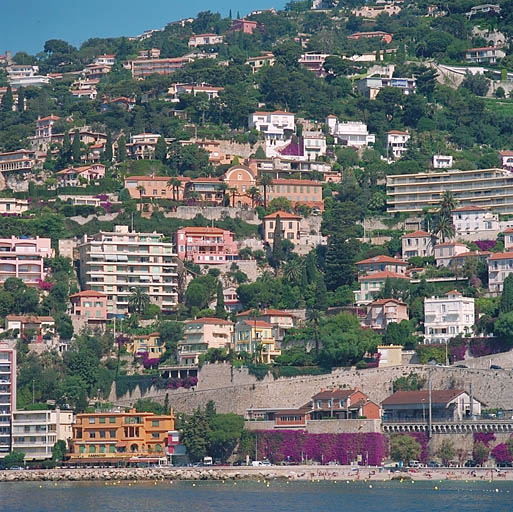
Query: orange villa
[120, 436]
[240, 179]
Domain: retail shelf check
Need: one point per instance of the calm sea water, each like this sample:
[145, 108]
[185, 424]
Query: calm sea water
[257, 497]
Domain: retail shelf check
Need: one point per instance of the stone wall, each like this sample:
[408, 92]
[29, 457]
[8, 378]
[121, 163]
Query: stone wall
[214, 212]
[504, 360]
[235, 390]
[325, 426]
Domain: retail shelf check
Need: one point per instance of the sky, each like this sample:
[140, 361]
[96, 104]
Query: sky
[25, 25]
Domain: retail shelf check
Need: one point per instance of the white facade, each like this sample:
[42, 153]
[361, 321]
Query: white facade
[116, 263]
[36, 432]
[418, 243]
[7, 395]
[442, 161]
[350, 133]
[272, 124]
[446, 317]
[396, 143]
[444, 253]
[472, 219]
[506, 159]
[488, 55]
[500, 266]
[314, 145]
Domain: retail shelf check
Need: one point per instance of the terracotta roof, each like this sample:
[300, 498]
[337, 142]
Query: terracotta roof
[506, 153]
[258, 323]
[195, 229]
[472, 253]
[384, 275]
[29, 318]
[508, 230]
[382, 302]
[501, 256]
[283, 215]
[397, 132]
[450, 244]
[382, 259]
[417, 397]
[265, 312]
[282, 181]
[158, 178]
[417, 234]
[49, 118]
[454, 292]
[336, 393]
[209, 320]
[207, 180]
[278, 112]
[88, 293]
[483, 48]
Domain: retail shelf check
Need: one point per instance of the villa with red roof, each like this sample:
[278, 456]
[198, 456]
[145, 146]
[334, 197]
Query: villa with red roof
[418, 243]
[382, 263]
[468, 220]
[372, 284]
[255, 337]
[290, 226]
[80, 176]
[280, 320]
[88, 309]
[382, 312]
[500, 266]
[445, 252]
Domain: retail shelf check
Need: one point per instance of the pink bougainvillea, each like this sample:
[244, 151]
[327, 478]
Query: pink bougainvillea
[44, 285]
[297, 446]
[485, 245]
[501, 453]
[422, 439]
[484, 437]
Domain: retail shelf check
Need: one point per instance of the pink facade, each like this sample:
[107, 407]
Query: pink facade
[207, 246]
[248, 27]
[72, 176]
[89, 305]
[24, 258]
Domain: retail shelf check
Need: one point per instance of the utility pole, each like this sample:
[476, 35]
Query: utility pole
[430, 412]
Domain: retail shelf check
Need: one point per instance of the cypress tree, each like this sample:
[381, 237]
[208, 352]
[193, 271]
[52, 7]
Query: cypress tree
[107, 153]
[220, 309]
[121, 154]
[65, 153]
[7, 100]
[75, 148]
[506, 302]
[277, 253]
[21, 100]
[320, 295]
[161, 150]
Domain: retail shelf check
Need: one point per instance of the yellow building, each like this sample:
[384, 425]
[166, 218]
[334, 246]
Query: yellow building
[150, 344]
[118, 436]
[390, 355]
[256, 336]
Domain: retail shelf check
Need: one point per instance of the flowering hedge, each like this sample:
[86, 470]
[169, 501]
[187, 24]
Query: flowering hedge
[484, 437]
[422, 439]
[486, 245]
[299, 445]
[501, 453]
[476, 347]
[128, 383]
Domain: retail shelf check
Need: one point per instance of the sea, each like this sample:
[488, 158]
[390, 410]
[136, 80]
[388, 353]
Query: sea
[273, 496]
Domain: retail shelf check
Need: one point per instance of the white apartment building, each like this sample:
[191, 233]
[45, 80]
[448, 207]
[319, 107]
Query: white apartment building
[487, 55]
[468, 220]
[273, 125]
[490, 188]
[350, 133]
[119, 262]
[25, 75]
[34, 433]
[500, 266]
[20, 160]
[442, 161]
[13, 206]
[506, 159]
[446, 252]
[105, 60]
[508, 239]
[396, 143]
[314, 145]
[7, 395]
[204, 39]
[418, 243]
[446, 317]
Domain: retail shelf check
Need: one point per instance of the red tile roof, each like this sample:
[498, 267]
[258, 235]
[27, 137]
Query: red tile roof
[88, 293]
[417, 397]
[197, 230]
[209, 320]
[335, 393]
[33, 319]
[397, 132]
[265, 312]
[282, 181]
[382, 302]
[382, 259]
[501, 256]
[417, 234]
[283, 215]
[258, 323]
[384, 275]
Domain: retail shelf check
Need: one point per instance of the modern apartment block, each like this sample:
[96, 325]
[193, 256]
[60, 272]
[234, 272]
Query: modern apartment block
[24, 258]
[34, 433]
[489, 188]
[206, 245]
[20, 160]
[141, 68]
[350, 133]
[119, 262]
[7, 395]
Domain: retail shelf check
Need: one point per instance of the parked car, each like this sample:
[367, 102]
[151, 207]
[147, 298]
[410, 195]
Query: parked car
[433, 464]
[470, 463]
[495, 367]
[505, 465]
[461, 366]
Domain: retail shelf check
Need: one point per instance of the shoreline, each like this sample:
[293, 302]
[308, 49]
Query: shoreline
[289, 473]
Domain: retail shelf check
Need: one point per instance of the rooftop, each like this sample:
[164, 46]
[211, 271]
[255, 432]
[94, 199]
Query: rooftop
[417, 397]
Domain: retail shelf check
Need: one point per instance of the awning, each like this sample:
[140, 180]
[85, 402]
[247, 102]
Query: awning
[121, 444]
[122, 257]
[144, 278]
[111, 257]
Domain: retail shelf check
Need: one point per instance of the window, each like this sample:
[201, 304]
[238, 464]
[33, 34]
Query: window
[155, 435]
[91, 421]
[102, 419]
[92, 448]
[112, 434]
[112, 419]
[92, 434]
[112, 449]
[81, 448]
[103, 434]
[102, 448]
[155, 423]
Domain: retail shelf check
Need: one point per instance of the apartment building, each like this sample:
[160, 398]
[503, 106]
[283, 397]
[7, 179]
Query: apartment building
[446, 317]
[350, 133]
[10, 206]
[468, 220]
[25, 75]
[88, 309]
[204, 40]
[141, 68]
[382, 312]
[7, 395]
[24, 258]
[506, 159]
[290, 226]
[117, 436]
[281, 321]
[116, 263]
[202, 334]
[307, 192]
[418, 243]
[397, 143]
[257, 63]
[156, 187]
[489, 188]
[175, 90]
[486, 55]
[500, 266]
[373, 11]
[206, 245]
[34, 433]
[371, 85]
[446, 252]
[274, 125]
[372, 284]
[314, 62]
[378, 34]
[81, 176]
[150, 344]
[442, 161]
[142, 146]
[255, 337]
[381, 263]
[20, 160]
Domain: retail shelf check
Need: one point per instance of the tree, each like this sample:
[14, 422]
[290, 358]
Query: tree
[476, 84]
[314, 317]
[404, 448]
[506, 300]
[340, 258]
[225, 433]
[7, 100]
[480, 453]
[292, 270]
[14, 459]
[75, 147]
[443, 228]
[107, 154]
[195, 436]
[277, 252]
[175, 185]
[264, 181]
[220, 309]
[21, 100]
[148, 405]
[139, 300]
[161, 150]
[254, 194]
[320, 294]
[121, 153]
[446, 452]
[59, 451]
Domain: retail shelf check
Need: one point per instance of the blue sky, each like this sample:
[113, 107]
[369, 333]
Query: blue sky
[26, 24]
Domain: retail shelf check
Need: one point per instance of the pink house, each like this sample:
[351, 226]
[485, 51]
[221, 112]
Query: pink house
[207, 246]
[382, 312]
[73, 176]
[24, 258]
[89, 307]
[246, 26]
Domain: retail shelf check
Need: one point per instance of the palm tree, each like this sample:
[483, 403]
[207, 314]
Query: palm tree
[254, 193]
[448, 204]
[139, 300]
[292, 270]
[265, 180]
[140, 188]
[175, 184]
[233, 191]
[443, 228]
[314, 317]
